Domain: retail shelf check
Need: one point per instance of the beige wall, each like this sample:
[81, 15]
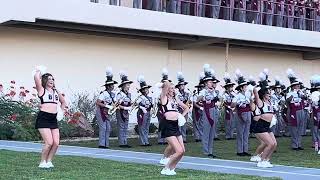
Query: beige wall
[79, 61]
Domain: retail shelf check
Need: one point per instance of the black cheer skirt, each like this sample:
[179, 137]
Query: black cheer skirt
[46, 120]
[261, 126]
[169, 128]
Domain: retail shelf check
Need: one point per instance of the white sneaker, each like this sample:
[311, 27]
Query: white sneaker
[43, 165]
[255, 158]
[269, 164]
[50, 165]
[264, 164]
[164, 161]
[168, 172]
[172, 172]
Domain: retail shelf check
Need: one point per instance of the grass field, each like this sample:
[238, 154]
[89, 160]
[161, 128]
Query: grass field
[17, 165]
[227, 150]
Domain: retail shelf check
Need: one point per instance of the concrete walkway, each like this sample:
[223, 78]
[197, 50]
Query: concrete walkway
[205, 164]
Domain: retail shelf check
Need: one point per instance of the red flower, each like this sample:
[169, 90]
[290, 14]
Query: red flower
[13, 82]
[12, 93]
[13, 117]
[21, 87]
[23, 94]
[27, 91]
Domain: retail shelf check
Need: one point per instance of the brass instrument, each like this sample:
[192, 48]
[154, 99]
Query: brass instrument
[134, 105]
[114, 108]
[154, 109]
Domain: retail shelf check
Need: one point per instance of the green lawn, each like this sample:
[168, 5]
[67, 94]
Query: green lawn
[17, 165]
[227, 150]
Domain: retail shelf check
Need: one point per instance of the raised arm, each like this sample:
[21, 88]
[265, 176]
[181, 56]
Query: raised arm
[37, 80]
[165, 89]
[256, 98]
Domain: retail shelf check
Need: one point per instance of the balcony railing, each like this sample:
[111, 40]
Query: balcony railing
[304, 15]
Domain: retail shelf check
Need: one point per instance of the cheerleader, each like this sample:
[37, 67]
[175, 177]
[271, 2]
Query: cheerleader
[170, 130]
[262, 98]
[46, 121]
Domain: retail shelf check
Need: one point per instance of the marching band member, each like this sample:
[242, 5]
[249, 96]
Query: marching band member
[198, 111]
[315, 104]
[262, 98]
[144, 103]
[209, 97]
[184, 97]
[242, 103]
[227, 103]
[295, 111]
[105, 102]
[46, 122]
[124, 100]
[277, 101]
[170, 130]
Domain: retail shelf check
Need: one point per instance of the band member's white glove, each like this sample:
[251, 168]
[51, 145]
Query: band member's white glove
[201, 108]
[181, 120]
[127, 108]
[60, 114]
[108, 106]
[273, 121]
[144, 110]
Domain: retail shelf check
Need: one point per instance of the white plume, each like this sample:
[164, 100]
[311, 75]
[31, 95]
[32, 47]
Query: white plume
[165, 72]
[180, 75]
[251, 78]
[226, 76]
[290, 73]
[238, 73]
[277, 78]
[262, 76]
[206, 67]
[266, 71]
[122, 74]
[140, 79]
[109, 72]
